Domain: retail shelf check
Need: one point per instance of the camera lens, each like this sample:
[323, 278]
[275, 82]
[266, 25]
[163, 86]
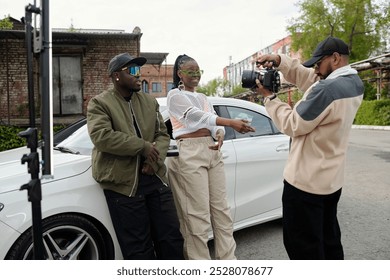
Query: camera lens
[269, 78]
[248, 79]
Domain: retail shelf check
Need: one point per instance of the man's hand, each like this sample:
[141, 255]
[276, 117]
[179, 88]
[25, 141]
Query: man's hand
[147, 169]
[268, 60]
[151, 154]
[262, 90]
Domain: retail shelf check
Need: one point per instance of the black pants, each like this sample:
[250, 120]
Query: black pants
[146, 225]
[310, 227]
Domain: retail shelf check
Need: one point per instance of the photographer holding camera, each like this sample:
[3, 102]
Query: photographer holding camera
[319, 127]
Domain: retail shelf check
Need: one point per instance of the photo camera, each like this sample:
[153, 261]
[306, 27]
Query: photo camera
[269, 78]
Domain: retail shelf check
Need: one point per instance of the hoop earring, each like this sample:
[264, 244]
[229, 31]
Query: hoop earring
[181, 85]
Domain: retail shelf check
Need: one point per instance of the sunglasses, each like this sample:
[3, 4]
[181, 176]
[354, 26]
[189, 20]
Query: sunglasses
[192, 73]
[318, 63]
[133, 70]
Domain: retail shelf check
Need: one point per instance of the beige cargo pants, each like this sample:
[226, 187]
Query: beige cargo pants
[198, 182]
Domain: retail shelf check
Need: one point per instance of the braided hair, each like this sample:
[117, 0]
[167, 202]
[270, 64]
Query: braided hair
[180, 60]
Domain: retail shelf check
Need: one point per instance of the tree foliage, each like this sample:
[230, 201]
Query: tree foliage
[215, 87]
[362, 24]
[220, 87]
[6, 23]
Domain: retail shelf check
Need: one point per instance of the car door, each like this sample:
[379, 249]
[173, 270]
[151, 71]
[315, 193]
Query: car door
[229, 159]
[254, 164]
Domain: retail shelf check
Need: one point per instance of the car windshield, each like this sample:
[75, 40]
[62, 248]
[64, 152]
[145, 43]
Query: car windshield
[79, 142]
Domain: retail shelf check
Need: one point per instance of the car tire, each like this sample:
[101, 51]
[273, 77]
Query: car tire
[65, 237]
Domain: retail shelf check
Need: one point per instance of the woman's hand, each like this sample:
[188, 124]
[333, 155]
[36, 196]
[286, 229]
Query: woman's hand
[220, 136]
[242, 126]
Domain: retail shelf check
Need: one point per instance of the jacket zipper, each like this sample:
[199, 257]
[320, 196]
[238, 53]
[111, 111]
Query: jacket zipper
[159, 126]
[134, 188]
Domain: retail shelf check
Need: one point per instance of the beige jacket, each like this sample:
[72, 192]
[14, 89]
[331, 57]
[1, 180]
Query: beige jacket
[319, 125]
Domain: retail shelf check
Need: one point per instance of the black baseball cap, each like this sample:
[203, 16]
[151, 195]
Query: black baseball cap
[327, 47]
[123, 59]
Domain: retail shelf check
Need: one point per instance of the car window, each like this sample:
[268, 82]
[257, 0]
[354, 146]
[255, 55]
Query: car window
[261, 123]
[222, 112]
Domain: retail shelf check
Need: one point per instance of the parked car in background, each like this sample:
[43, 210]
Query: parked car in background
[75, 219]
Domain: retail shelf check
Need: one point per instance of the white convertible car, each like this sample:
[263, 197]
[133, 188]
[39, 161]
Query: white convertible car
[75, 220]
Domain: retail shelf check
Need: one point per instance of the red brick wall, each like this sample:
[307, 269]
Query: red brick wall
[13, 79]
[95, 58]
[157, 74]
[95, 62]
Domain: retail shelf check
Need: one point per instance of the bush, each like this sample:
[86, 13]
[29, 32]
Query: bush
[369, 91]
[9, 138]
[375, 112]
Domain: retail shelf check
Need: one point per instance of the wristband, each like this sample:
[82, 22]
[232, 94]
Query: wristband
[269, 97]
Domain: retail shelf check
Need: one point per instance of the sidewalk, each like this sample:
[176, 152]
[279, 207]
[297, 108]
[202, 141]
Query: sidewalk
[375, 127]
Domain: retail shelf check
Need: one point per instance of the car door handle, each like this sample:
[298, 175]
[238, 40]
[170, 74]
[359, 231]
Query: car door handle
[282, 148]
[225, 155]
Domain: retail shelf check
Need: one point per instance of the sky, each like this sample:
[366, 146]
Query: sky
[210, 31]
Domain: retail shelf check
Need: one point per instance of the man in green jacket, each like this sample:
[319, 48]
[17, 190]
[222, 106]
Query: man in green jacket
[130, 145]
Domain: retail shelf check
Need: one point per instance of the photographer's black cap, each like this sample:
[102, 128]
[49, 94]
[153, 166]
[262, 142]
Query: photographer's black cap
[327, 47]
[123, 59]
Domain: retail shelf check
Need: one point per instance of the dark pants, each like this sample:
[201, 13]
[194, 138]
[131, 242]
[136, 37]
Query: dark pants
[310, 227]
[146, 225]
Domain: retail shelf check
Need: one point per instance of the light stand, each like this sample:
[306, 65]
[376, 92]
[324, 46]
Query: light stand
[42, 45]
[34, 189]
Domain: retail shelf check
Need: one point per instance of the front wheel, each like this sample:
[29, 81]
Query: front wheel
[65, 237]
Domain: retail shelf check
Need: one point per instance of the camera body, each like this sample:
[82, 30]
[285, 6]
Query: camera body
[269, 78]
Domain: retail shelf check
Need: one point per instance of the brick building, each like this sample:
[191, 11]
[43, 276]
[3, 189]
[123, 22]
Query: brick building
[79, 70]
[156, 75]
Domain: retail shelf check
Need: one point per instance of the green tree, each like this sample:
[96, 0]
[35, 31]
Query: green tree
[362, 24]
[220, 87]
[215, 87]
[239, 89]
[6, 23]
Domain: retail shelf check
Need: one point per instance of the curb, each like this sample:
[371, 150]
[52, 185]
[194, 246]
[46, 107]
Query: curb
[372, 127]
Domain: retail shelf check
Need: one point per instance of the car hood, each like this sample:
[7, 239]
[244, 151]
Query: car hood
[14, 154]
[14, 174]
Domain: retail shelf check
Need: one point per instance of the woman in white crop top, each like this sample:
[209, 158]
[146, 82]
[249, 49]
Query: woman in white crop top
[197, 175]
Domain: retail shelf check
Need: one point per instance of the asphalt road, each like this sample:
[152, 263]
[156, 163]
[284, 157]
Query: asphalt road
[364, 208]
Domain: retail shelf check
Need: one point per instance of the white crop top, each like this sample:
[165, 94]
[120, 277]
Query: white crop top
[191, 111]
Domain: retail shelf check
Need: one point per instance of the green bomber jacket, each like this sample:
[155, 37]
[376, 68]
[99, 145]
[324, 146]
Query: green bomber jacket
[117, 152]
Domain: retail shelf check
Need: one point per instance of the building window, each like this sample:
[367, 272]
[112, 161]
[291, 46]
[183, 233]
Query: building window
[156, 87]
[145, 86]
[169, 86]
[67, 85]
